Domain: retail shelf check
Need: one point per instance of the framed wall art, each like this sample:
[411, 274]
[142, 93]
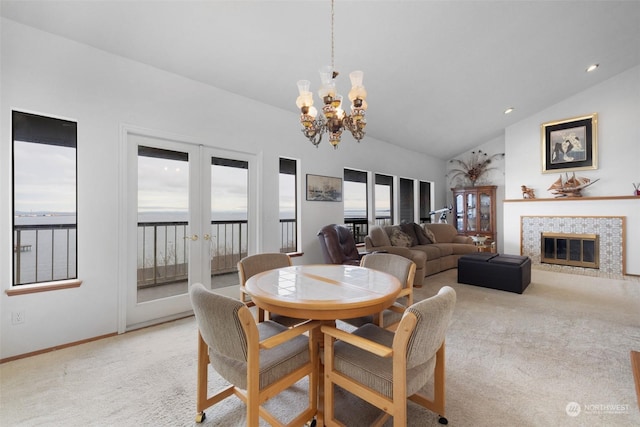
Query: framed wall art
[324, 188]
[570, 144]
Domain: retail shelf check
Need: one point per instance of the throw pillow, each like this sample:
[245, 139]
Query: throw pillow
[430, 235]
[400, 238]
[423, 239]
[410, 231]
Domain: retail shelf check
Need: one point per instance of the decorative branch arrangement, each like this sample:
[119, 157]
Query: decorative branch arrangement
[476, 166]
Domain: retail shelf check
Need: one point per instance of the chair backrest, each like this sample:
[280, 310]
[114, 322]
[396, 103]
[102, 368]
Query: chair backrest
[433, 319]
[254, 264]
[398, 266]
[219, 322]
[338, 245]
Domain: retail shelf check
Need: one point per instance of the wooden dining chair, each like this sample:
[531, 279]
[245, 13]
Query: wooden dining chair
[258, 359]
[386, 368]
[254, 264]
[402, 269]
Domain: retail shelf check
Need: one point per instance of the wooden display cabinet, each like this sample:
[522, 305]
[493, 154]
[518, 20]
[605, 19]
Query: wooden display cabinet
[474, 212]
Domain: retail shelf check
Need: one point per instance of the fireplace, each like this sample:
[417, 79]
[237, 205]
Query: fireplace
[607, 258]
[577, 250]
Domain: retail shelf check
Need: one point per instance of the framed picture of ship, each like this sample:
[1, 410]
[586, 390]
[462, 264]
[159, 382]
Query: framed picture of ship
[570, 144]
[324, 188]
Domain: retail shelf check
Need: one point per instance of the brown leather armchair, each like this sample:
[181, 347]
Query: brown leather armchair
[338, 245]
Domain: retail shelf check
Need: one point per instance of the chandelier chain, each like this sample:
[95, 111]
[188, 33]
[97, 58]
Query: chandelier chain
[333, 67]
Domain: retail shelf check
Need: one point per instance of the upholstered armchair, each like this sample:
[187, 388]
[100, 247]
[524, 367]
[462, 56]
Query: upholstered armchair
[259, 360]
[402, 269]
[338, 245]
[386, 368]
[253, 264]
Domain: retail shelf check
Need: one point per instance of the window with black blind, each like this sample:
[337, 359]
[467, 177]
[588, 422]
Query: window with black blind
[44, 198]
[288, 203]
[356, 210]
[407, 200]
[425, 201]
[383, 196]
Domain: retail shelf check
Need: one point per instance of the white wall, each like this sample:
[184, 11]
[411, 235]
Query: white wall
[617, 102]
[50, 75]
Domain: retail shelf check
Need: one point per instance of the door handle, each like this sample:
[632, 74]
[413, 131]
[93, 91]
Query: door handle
[194, 237]
[206, 237]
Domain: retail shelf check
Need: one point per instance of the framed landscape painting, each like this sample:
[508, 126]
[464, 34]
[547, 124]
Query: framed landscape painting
[570, 144]
[324, 188]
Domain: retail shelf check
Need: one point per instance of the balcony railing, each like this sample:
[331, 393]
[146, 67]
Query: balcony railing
[383, 220]
[163, 258]
[48, 252]
[288, 235]
[44, 252]
[360, 226]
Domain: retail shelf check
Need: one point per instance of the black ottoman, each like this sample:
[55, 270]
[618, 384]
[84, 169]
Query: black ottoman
[504, 272]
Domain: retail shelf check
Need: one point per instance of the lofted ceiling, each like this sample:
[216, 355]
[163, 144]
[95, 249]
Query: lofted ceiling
[439, 74]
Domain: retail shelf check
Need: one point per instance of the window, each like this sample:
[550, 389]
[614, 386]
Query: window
[163, 222]
[44, 199]
[384, 199]
[425, 201]
[288, 205]
[355, 203]
[407, 201]
[229, 212]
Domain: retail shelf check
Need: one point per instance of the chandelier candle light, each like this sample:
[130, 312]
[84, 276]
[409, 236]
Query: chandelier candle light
[333, 118]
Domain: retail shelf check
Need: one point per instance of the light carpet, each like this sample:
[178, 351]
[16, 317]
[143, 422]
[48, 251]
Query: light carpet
[556, 355]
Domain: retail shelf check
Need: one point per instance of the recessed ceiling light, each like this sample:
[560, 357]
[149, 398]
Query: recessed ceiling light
[509, 110]
[592, 67]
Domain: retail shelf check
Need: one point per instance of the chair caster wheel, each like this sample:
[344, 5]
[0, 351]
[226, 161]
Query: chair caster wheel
[200, 417]
[443, 420]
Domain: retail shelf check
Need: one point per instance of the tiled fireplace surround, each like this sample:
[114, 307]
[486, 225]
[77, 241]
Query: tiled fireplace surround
[611, 230]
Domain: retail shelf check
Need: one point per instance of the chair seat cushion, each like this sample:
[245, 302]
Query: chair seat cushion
[374, 371]
[389, 317]
[274, 363]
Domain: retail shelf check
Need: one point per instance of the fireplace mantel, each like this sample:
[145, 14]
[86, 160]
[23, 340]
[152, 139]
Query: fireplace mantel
[573, 199]
[598, 207]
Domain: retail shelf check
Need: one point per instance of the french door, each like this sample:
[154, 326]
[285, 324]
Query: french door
[188, 221]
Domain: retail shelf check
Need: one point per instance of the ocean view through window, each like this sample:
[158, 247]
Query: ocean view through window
[288, 205]
[44, 199]
[356, 210]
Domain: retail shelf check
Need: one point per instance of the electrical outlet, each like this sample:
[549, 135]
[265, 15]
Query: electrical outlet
[17, 317]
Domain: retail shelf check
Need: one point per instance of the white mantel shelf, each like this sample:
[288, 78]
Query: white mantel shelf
[627, 207]
[573, 199]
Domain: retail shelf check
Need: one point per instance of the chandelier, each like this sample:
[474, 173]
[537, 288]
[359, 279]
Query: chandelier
[333, 119]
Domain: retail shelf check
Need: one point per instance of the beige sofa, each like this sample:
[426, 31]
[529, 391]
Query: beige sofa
[433, 247]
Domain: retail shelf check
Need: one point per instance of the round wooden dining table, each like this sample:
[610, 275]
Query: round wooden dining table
[323, 292]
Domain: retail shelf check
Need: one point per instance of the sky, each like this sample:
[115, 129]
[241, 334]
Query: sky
[44, 177]
[45, 180]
